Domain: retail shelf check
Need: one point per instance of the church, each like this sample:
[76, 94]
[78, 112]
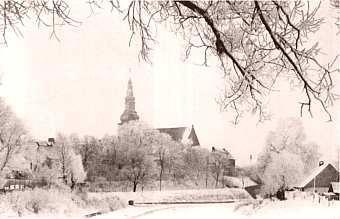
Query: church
[181, 134]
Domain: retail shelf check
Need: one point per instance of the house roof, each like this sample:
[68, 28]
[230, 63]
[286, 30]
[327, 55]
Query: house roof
[181, 134]
[335, 187]
[176, 133]
[222, 151]
[240, 182]
[312, 175]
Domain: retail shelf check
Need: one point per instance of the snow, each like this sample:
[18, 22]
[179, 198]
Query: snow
[299, 205]
[297, 208]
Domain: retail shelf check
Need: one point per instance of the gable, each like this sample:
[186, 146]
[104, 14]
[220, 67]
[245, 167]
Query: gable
[193, 137]
[323, 176]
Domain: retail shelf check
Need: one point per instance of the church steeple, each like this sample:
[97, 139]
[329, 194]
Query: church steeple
[130, 111]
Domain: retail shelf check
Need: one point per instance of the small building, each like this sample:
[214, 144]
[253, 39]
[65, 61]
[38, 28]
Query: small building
[15, 184]
[320, 179]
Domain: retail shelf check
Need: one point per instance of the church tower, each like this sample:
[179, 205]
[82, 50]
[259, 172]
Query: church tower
[130, 111]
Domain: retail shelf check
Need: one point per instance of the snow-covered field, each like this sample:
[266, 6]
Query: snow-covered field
[178, 195]
[301, 206]
[285, 209]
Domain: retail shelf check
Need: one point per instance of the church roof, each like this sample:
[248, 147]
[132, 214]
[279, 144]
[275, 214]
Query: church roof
[182, 134]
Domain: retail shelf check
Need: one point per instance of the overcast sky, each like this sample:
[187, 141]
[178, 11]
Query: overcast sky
[78, 85]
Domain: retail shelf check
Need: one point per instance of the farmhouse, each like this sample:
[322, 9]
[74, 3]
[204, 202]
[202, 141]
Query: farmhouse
[320, 179]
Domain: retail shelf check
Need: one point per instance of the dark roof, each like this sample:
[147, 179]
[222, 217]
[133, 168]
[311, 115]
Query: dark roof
[326, 172]
[175, 133]
[181, 134]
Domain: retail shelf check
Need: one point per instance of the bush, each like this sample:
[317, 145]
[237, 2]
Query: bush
[54, 201]
[106, 204]
[41, 201]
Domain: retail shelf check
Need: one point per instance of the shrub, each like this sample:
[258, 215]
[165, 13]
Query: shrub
[54, 201]
[105, 204]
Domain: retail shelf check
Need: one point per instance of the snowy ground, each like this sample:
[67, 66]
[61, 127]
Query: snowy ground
[287, 209]
[297, 207]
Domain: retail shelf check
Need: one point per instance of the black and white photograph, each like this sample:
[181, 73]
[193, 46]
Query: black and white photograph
[145, 109]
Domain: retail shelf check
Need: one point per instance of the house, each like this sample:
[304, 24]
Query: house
[182, 134]
[320, 179]
[16, 180]
[229, 167]
[242, 182]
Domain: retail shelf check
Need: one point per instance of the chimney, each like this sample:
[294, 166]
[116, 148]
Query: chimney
[213, 149]
[321, 163]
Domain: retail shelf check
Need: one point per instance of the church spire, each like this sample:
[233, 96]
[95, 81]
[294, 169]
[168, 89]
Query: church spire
[130, 111]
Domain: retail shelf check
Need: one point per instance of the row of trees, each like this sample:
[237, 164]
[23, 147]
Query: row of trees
[140, 154]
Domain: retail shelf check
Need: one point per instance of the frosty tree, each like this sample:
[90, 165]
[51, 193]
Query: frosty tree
[68, 164]
[11, 133]
[286, 157]
[283, 172]
[136, 140]
[257, 44]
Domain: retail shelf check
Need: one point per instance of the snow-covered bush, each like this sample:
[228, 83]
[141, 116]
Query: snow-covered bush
[54, 202]
[106, 204]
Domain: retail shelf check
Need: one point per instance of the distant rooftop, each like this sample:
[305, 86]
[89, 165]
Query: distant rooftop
[182, 134]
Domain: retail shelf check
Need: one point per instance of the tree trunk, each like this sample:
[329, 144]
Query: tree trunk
[216, 183]
[135, 186]
[160, 179]
[281, 195]
[73, 183]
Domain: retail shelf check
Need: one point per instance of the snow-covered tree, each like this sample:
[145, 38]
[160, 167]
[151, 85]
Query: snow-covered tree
[77, 173]
[286, 150]
[12, 132]
[136, 140]
[162, 145]
[283, 172]
[217, 163]
[197, 164]
[69, 165]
